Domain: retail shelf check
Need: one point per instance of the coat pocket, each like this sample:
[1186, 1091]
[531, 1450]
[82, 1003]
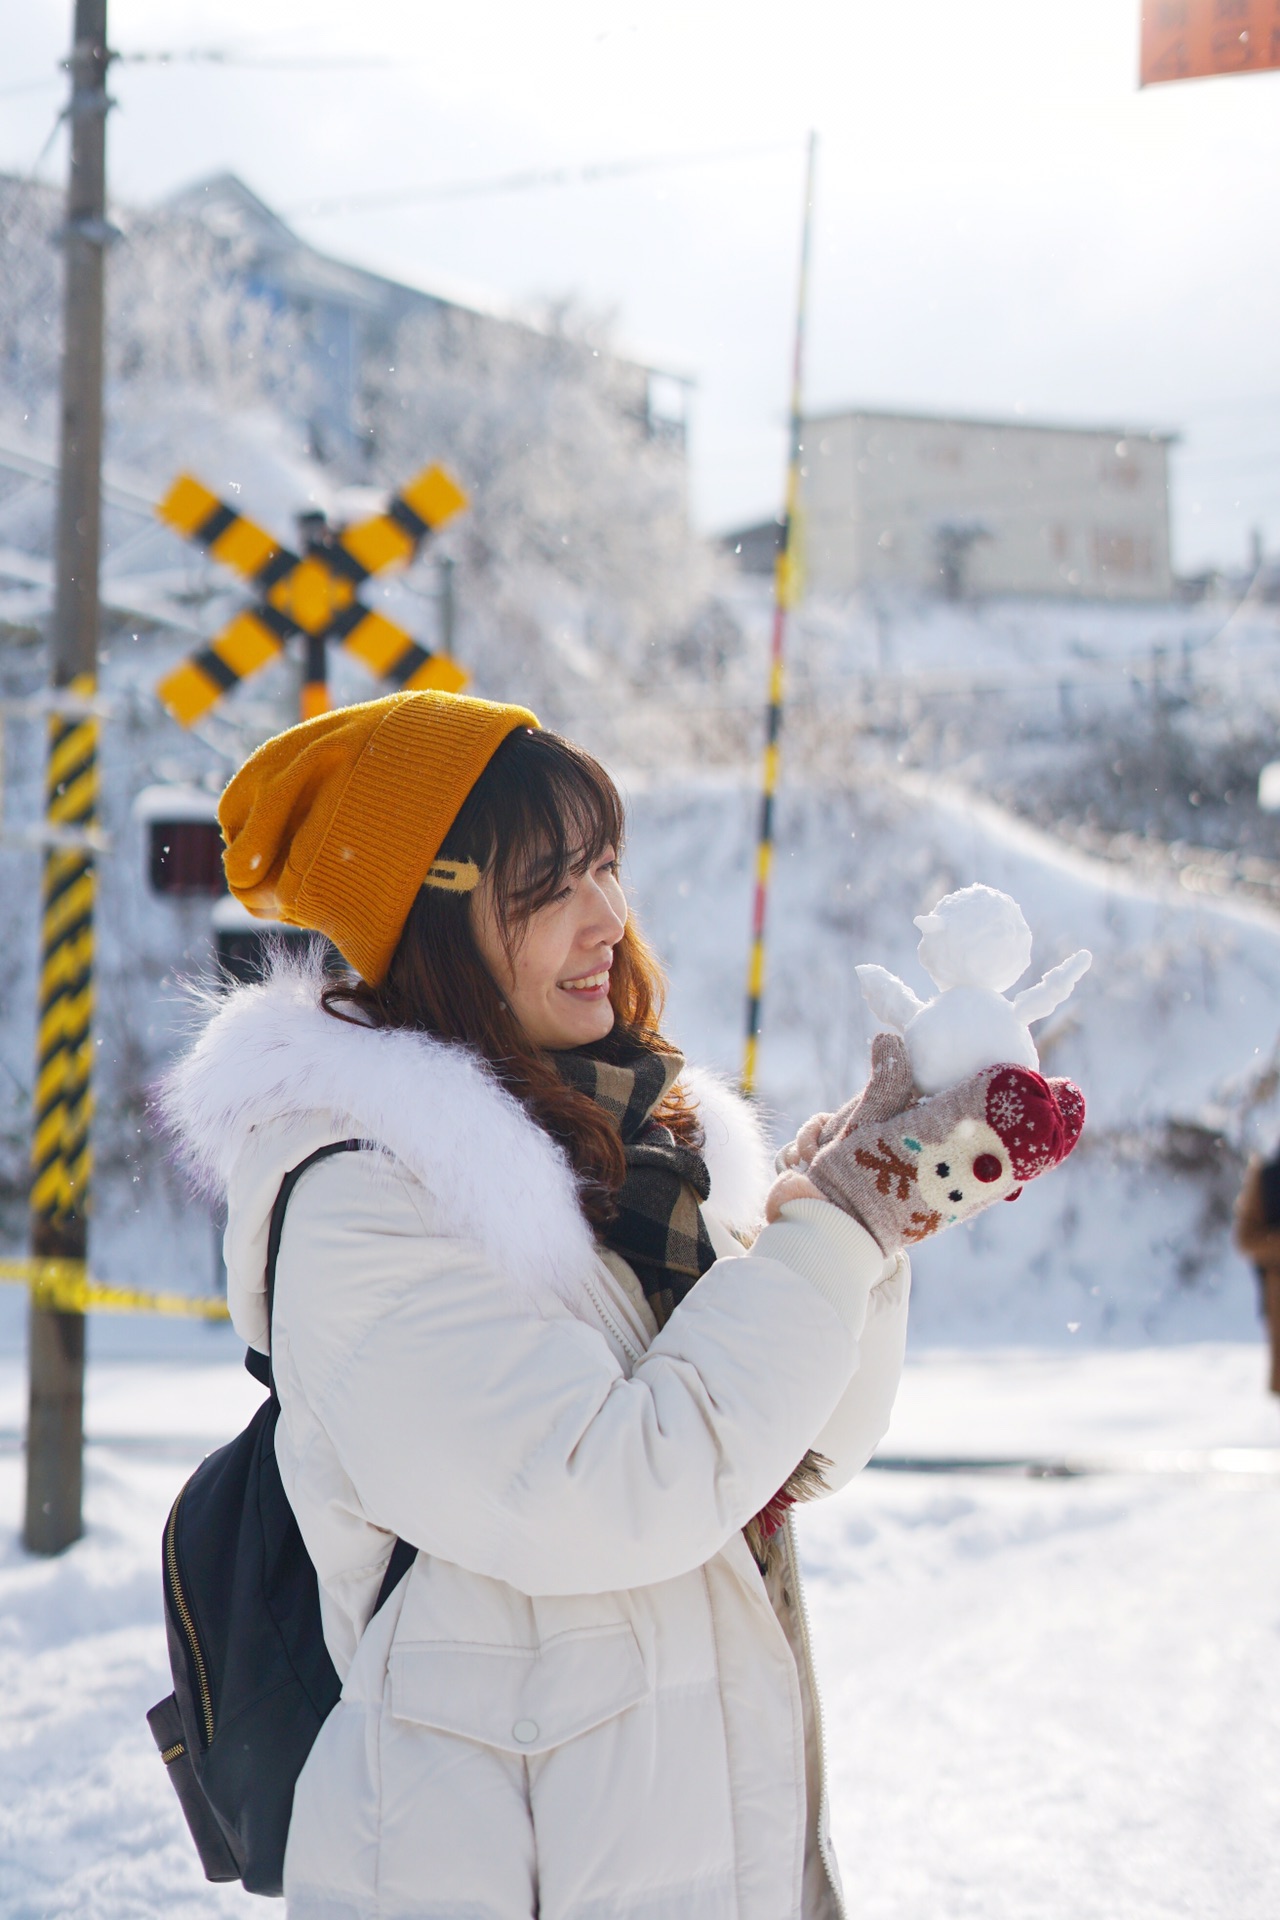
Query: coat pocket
[521, 1699]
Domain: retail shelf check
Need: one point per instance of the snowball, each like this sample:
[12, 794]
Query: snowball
[973, 945]
[975, 938]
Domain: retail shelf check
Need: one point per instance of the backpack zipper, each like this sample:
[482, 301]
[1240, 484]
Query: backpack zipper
[174, 1752]
[188, 1624]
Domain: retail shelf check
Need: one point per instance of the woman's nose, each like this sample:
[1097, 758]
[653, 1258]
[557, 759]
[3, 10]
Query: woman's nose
[608, 910]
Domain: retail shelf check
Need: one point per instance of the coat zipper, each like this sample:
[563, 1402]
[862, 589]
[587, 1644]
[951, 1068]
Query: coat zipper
[628, 1346]
[802, 1614]
[188, 1624]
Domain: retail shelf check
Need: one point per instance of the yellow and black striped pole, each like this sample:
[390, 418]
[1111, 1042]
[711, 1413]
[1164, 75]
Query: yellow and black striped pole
[785, 595]
[64, 1048]
[63, 1112]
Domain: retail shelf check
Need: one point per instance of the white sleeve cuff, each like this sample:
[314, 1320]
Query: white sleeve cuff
[830, 1250]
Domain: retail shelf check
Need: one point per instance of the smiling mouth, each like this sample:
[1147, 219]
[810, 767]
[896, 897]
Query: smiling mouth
[587, 983]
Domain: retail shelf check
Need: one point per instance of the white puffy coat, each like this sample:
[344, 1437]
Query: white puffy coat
[583, 1701]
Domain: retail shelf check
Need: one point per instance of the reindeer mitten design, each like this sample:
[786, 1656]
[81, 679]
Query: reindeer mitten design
[906, 1168]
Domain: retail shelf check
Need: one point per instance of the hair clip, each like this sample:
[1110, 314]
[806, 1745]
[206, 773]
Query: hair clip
[453, 876]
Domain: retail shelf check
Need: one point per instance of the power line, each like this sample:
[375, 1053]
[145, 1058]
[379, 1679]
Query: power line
[214, 57]
[30, 86]
[51, 136]
[28, 179]
[583, 175]
[222, 57]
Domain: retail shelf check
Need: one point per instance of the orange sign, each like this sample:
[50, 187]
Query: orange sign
[1184, 39]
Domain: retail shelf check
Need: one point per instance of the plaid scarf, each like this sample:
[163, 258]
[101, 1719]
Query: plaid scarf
[657, 1226]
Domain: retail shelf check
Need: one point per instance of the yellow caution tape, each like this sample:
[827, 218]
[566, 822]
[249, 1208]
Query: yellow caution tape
[64, 1286]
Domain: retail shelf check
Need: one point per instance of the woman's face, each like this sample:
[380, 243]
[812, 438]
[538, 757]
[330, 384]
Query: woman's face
[556, 978]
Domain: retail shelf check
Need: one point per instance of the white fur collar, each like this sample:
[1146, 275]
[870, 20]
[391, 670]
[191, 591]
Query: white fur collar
[270, 1053]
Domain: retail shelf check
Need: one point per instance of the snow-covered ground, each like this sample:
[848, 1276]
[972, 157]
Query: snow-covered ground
[1053, 1697]
[1043, 1697]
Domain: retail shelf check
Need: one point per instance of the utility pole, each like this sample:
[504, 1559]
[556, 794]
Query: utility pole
[63, 1105]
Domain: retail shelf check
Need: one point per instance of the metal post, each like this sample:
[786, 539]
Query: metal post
[447, 606]
[315, 677]
[317, 540]
[63, 1101]
[786, 583]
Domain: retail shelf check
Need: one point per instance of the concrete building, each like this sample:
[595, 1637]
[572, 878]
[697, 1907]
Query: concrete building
[972, 507]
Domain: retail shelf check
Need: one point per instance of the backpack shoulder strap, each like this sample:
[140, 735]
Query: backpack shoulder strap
[276, 1228]
[403, 1554]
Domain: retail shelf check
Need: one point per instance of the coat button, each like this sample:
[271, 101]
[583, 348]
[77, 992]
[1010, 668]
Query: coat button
[525, 1731]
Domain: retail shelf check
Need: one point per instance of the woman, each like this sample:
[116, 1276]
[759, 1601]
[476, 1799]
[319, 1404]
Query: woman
[532, 1329]
[1257, 1234]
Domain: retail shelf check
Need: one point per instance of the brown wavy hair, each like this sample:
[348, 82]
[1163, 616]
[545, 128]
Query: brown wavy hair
[542, 810]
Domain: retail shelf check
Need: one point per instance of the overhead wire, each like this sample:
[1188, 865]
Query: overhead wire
[52, 135]
[582, 174]
[29, 178]
[213, 56]
[29, 86]
[210, 56]
[224, 57]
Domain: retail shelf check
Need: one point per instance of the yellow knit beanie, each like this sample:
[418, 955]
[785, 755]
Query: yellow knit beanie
[334, 824]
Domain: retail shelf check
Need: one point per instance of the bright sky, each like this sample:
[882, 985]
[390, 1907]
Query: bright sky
[1004, 223]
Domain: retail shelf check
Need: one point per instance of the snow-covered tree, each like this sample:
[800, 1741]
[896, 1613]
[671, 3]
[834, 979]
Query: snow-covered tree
[184, 327]
[30, 301]
[576, 563]
[578, 578]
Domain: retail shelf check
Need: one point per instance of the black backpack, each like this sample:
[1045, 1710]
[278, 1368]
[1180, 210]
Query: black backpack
[252, 1676]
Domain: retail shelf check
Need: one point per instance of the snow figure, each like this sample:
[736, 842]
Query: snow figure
[973, 946]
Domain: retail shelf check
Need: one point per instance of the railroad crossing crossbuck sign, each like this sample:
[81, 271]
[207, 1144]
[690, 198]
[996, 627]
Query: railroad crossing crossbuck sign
[313, 594]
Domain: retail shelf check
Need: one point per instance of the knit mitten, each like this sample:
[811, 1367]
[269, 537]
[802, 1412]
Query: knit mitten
[905, 1167]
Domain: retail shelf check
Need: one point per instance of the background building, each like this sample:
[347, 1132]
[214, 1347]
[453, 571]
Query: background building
[349, 318]
[971, 507]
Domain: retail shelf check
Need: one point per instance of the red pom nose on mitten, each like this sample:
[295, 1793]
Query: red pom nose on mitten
[1038, 1120]
[906, 1171]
